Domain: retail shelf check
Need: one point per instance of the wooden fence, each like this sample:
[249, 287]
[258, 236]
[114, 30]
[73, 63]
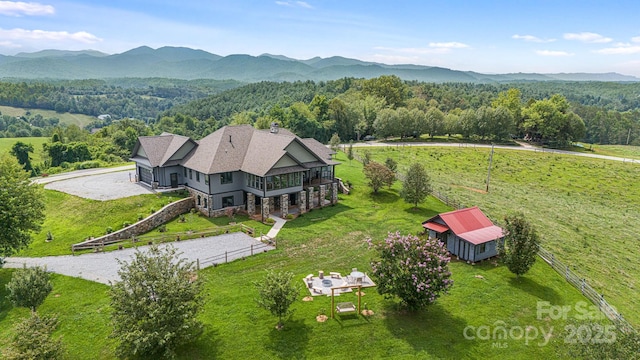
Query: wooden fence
[235, 254]
[589, 292]
[578, 282]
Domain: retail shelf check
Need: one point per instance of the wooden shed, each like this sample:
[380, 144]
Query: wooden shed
[467, 233]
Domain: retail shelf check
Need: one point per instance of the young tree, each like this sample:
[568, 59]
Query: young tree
[378, 175]
[29, 287]
[350, 151]
[21, 151]
[276, 294]
[32, 339]
[21, 207]
[520, 245]
[391, 164]
[414, 269]
[416, 185]
[155, 305]
[335, 142]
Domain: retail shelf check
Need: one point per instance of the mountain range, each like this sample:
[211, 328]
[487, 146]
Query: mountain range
[189, 64]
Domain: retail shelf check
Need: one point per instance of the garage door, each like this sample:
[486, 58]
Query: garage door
[145, 175]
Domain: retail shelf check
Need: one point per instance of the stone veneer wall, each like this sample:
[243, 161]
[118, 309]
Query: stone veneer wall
[303, 202]
[147, 224]
[284, 205]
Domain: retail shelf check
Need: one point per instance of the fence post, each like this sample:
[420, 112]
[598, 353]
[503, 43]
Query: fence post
[582, 286]
[566, 273]
[197, 264]
[225, 257]
[251, 249]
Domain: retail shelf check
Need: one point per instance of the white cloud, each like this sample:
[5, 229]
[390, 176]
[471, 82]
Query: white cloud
[553, 53]
[19, 8]
[22, 34]
[303, 4]
[531, 38]
[587, 37]
[448, 45]
[636, 39]
[620, 49]
[9, 44]
[434, 48]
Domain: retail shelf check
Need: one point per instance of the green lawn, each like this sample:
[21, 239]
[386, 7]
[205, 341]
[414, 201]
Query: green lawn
[36, 157]
[587, 210]
[332, 239]
[65, 118]
[628, 152]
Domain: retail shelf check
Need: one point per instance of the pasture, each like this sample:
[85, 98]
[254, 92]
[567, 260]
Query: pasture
[586, 210]
[65, 118]
[329, 239]
[38, 152]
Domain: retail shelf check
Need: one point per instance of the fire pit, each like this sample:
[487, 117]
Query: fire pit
[327, 283]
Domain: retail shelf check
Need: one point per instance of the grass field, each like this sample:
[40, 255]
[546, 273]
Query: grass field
[38, 153]
[587, 210]
[330, 239]
[65, 118]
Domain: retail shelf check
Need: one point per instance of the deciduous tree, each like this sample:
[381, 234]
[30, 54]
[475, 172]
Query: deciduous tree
[276, 294]
[21, 207]
[156, 303]
[378, 175]
[29, 287]
[32, 339]
[416, 185]
[519, 248]
[413, 269]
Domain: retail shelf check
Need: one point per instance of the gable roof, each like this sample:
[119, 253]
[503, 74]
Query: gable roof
[469, 224]
[159, 149]
[235, 148]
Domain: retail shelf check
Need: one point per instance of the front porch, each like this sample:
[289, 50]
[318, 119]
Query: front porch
[315, 195]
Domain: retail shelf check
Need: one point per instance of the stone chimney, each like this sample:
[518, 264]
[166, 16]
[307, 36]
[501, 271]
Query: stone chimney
[274, 128]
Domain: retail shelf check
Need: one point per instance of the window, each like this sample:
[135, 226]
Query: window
[190, 174]
[480, 248]
[199, 199]
[206, 179]
[227, 201]
[185, 172]
[206, 203]
[226, 178]
[198, 176]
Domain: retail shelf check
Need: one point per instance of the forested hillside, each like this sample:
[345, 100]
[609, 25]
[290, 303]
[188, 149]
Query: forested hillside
[594, 112]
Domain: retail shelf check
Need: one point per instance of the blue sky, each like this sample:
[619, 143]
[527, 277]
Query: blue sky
[483, 36]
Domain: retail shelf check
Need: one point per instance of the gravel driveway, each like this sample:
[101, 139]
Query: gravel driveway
[103, 187]
[103, 267]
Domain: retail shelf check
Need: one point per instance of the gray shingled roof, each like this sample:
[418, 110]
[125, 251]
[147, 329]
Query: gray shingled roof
[233, 148]
[159, 149]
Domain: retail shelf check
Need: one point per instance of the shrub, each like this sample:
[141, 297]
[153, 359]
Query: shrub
[29, 287]
[413, 269]
[140, 217]
[126, 224]
[162, 228]
[109, 230]
[49, 236]
[32, 339]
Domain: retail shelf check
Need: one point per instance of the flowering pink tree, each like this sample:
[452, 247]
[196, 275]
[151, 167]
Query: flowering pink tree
[414, 269]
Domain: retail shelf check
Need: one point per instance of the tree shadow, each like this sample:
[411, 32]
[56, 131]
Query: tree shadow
[289, 342]
[434, 331]
[384, 196]
[207, 346]
[533, 288]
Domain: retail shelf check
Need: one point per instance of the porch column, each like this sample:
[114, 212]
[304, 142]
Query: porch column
[272, 205]
[265, 208]
[251, 204]
[303, 202]
[310, 197]
[284, 205]
[334, 193]
[322, 194]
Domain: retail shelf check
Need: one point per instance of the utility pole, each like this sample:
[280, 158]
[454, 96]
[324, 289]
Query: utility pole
[489, 171]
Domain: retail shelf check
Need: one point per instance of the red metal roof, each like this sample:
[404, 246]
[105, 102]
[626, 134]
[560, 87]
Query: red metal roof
[469, 224]
[439, 228]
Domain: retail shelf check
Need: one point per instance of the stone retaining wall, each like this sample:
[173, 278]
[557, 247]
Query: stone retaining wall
[145, 225]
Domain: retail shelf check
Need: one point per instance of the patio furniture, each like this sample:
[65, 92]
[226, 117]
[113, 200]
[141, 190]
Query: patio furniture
[321, 274]
[358, 277]
[335, 275]
[345, 307]
[316, 290]
[309, 277]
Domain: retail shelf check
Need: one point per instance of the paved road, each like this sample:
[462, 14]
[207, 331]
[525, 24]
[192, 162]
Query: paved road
[103, 267]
